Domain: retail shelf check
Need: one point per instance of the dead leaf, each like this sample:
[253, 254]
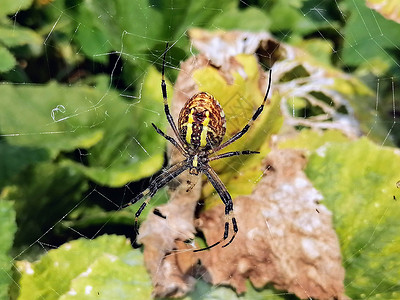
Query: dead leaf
[162, 238]
[285, 236]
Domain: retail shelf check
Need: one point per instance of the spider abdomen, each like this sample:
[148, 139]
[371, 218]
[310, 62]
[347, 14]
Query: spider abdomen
[201, 122]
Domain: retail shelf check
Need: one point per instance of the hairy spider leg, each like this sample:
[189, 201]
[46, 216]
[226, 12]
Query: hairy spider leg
[227, 200]
[165, 98]
[157, 183]
[249, 124]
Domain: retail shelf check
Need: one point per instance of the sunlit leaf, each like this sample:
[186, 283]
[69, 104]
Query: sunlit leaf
[8, 228]
[320, 50]
[103, 268]
[358, 182]
[14, 36]
[11, 6]
[54, 116]
[311, 140]
[7, 60]
[122, 144]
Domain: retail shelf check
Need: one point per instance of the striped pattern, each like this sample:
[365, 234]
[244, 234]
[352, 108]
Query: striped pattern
[201, 122]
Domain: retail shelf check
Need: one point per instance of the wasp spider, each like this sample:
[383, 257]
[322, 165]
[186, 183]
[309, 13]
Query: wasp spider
[201, 129]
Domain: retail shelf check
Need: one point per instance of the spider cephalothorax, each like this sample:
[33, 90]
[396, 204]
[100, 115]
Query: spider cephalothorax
[201, 129]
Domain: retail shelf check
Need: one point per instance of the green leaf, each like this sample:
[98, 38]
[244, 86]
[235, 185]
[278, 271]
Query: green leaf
[122, 144]
[368, 35]
[358, 181]
[7, 60]
[285, 17]
[200, 13]
[259, 294]
[311, 140]
[8, 228]
[120, 173]
[104, 268]
[248, 19]
[140, 28]
[85, 216]
[9, 7]
[320, 50]
[143, 21]
[15, 158]
[53, 116]
[205, 291]
[43, 194]
[92, 31]
[15, 36]
[137, 28]
[131, 149]
[125, 276]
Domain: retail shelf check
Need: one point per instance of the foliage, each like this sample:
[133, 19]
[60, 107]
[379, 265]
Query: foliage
[366, 217]
[80, 88]
[82, 269]
[8, 228]
[363, 45]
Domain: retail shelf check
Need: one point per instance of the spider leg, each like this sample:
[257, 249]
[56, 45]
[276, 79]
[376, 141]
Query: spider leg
[160, 181]
[234, 153]
[248, 125]
[227, 199]
[170, 139]
[165, 97]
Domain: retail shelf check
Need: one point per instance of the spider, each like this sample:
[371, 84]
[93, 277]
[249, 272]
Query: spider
[201, 128]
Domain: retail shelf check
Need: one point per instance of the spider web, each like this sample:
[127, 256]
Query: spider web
[126, 89]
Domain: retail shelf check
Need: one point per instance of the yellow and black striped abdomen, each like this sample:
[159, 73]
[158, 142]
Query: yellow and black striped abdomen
[201, 122]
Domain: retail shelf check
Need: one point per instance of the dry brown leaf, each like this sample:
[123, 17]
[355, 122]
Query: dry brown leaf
[161, 237]
[285, 236]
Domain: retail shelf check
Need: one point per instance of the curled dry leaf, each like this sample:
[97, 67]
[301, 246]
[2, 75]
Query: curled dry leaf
[162, 235]
[311, 83]
[285, 236]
